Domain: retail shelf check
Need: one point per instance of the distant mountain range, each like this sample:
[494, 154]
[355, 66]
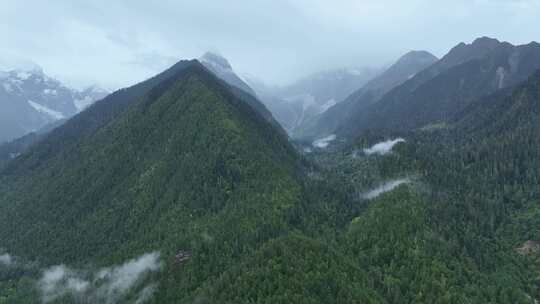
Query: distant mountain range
[447, 87]
[404, 69]
[299, 103]
[29, 100]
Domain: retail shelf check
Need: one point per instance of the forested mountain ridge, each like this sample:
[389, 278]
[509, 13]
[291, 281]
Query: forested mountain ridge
[186, 158]
[474, 222]
[185, 171]
[403, 69]
[483, 170]
[107, 109]
[449, 86]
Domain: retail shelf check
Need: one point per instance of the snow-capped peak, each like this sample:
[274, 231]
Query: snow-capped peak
[34, 99]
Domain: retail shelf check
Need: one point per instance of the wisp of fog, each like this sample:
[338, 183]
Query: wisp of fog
[324, 142]
[107, 285]
[386, 187]
[384, 147]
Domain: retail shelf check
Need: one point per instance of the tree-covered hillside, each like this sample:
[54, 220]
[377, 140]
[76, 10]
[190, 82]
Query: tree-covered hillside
[190, 175]
[186, 159]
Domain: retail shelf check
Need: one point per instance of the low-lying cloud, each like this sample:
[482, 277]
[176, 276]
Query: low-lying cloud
[384, 147]
[324, 142]
[146, 294]
[107, 285]
[6, 259]
[58, 281]
[386, 187]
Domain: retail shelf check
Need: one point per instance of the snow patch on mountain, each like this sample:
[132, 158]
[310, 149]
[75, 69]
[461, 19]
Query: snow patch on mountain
[355, 71]
[23, 75]
[50, 92]
[44, 110]
[500, 75]
[327, 105]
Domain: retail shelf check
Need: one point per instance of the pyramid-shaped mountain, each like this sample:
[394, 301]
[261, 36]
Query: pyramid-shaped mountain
[178, 163]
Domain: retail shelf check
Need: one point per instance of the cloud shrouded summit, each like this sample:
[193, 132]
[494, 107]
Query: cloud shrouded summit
[121, 42]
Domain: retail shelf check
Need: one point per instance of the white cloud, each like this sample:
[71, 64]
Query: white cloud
[107, 285]
[122, 278]
[322, 143]
[386, 187]
[384, 147]
[58, 281]
[146, 294]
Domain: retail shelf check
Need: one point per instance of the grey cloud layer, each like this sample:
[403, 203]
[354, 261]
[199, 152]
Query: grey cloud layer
[116, 43]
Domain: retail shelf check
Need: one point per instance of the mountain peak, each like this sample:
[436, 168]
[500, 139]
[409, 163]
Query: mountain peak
[417, 56]
[221, 67]
[215, 59]
[486, 42]
[464, 52]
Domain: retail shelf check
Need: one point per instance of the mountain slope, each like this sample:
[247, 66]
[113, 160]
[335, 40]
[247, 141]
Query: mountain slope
[223, 69]
[183, 164]
[405, 68]
[30, 99]
[482, 170]
[427, 99]
[136, 148]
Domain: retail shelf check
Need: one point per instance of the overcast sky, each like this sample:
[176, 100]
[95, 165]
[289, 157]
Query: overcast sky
[118, 42]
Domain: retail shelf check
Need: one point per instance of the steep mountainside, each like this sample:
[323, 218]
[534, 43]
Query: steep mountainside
[405, 68]
[186, 159]
[303, 101]
[30, 99]
[428, 100]
[473, 219]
